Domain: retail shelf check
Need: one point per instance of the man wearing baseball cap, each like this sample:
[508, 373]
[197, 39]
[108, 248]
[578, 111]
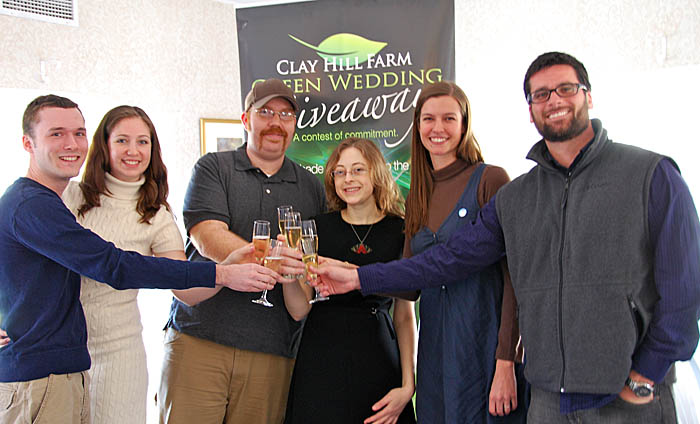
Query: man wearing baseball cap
[228, 360]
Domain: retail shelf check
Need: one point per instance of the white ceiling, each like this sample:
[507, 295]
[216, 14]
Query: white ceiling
[253, 3]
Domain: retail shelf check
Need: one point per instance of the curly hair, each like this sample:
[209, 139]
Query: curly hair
[386, 193]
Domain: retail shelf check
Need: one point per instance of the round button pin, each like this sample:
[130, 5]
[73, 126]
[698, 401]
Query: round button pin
[462, 212]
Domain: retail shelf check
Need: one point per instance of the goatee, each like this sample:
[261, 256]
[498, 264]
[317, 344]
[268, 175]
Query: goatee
[577, 126]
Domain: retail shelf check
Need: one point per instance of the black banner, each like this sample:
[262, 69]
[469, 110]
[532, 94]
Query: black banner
[356, 68]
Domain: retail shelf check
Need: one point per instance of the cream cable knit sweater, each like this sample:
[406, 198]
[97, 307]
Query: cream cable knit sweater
[119, 378]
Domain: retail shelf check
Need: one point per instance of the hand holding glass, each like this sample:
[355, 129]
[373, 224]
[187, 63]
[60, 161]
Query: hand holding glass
[273, 261]
[261, 240]
[309, 247]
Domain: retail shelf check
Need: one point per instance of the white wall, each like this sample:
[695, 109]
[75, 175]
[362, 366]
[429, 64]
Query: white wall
[642, 57]
[178, 60]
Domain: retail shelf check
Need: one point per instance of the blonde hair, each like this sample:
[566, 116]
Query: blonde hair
[421, 165]
[386, 193]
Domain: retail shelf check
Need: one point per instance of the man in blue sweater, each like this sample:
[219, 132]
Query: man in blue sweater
[44, 251]
[603, 247]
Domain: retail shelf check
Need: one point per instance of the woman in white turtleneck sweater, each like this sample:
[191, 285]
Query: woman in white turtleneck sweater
[122, 198]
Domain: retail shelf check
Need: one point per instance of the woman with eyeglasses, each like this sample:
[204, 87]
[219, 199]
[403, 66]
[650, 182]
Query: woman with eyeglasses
[355, 362]
[469, 334]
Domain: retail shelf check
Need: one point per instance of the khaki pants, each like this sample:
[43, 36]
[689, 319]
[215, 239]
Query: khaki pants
[58, 398]
[204, 382]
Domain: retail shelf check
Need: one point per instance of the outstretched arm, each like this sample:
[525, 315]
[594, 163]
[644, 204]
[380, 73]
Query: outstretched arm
[335, 279]
[214, 241]
[296, 293]
[471, 248]
[190, 297]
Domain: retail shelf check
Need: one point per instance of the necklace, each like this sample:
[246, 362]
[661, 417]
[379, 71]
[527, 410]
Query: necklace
[361, 248]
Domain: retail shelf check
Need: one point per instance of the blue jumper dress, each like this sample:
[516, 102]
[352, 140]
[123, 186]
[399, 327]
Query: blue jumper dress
[458, 335]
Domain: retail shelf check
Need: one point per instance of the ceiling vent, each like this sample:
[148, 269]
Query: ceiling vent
[56, 11]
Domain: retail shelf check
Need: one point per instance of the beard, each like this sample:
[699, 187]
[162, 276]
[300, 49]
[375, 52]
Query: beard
[577, 126]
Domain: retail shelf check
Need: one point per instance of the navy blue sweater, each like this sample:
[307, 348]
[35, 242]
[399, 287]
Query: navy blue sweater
[44, 251]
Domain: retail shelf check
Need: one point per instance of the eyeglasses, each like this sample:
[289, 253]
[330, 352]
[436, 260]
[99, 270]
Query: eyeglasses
[563, 90]
[268, 114]
[355, 172]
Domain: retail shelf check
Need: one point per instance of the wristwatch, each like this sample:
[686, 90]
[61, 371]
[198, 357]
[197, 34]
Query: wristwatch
[640, 388]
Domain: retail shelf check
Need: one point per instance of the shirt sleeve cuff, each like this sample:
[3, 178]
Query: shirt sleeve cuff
[505, 353]
[368, 284]
[202, 274]
[651, 365]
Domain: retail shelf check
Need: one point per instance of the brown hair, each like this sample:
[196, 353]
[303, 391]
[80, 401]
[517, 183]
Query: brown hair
[154, 191]
[546, 60]
[386, 192]
[421, 165]
[50, 100]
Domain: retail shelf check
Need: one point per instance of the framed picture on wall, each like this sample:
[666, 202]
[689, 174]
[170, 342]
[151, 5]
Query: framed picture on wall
[220, 135]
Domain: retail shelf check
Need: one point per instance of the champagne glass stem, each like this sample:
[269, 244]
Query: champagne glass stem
[317, 297]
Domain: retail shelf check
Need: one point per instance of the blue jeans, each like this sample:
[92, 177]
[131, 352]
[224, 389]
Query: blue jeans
[544, 409]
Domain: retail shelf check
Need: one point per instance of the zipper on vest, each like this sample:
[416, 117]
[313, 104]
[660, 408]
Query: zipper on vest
[565, 195]
[564, 199]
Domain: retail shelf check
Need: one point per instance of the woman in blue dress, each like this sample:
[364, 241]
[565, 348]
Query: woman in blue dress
[466, 370]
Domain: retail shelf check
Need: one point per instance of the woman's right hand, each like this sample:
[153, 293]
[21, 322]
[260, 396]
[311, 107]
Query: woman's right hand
[503, 398]
[4, 340]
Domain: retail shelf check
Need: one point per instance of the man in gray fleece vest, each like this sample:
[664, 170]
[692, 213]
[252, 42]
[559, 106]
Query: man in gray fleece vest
[603, 247]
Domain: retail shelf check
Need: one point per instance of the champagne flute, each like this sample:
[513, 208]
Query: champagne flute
[261, 240]
[281, 214]
[273, 261]
[309, 247]
[292, 231]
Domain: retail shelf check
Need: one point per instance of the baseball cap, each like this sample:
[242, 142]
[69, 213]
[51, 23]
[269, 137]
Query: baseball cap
[264, 91]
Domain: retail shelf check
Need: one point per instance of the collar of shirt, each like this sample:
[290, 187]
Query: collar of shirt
[578, 158]
[285, 174]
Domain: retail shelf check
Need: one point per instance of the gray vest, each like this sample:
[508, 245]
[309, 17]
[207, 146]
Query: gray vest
[581, 261]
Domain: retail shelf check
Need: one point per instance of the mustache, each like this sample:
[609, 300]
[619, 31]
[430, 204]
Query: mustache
[275, 131]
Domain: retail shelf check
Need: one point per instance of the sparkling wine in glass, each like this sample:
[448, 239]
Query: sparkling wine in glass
[309, 248]
[292, 229]
[282, 212]
[292, 233]
[261, 240]
[273, 261]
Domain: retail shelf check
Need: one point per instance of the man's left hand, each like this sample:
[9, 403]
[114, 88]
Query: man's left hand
[628, 395]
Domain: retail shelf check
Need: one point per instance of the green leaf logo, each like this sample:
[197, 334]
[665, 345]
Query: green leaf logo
[343, 47]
